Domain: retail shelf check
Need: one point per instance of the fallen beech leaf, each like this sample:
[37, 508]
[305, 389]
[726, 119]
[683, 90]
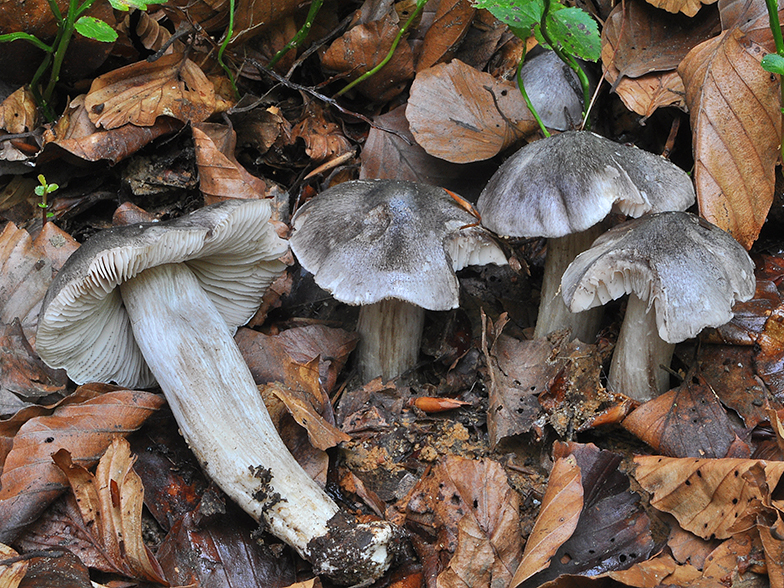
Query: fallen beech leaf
[450, 25]
[11, 573]
[30, 481]
[55, 568]
[75, 133]
[645, 94]
[362, 48]
[253, 17]
[387, 155]
[557, 520]
[687, 7]
[467, 508]
[221, 176]
[705, 495]
[19, 112]
[769, 358]
[110, 503]
[139, 93]
[736, 128]
[460, 114]
[647, 574]
[323, 139]
[687, 421]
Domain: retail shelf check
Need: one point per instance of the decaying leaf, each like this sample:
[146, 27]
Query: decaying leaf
[19, 112]
[687, 421]
[11, 573]
[769, 359]
[139, 93]
[84, 425]
[557, 520]
[460, 114]
[707, 496]
[736, 129]
[110, 503]
[467, 508]
[687, 7]
[323, 139]
[221, 176]
[450, 25]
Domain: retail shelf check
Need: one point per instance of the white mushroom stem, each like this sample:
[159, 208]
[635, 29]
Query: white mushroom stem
[391, 334]
[635, 370]
[219, 410]
[554, 315]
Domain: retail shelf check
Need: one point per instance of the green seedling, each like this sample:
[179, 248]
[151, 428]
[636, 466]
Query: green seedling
[43, 190]
[74, 20]
[774, 62]
[570, 32]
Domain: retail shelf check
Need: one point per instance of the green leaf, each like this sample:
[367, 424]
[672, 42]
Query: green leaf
[40, 190]
[774, 63]
[126, 5]
[519, 15]
[93, 28]
[575, 31]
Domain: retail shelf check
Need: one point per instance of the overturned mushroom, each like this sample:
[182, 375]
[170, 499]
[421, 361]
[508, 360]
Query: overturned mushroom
[160, 301]
[561, 188]
[392, 247]
[682, 274]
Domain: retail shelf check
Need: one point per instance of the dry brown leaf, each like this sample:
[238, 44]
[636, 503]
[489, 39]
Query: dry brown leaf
[557, 520]
[687, 421]
[707, 496]
[647, 574]
[253, 17]
[736, 129]
[450, 25]
[362, 48]
[687, 7]
[150, 33]
[11, 573]
[30, 481]
[221, 176]
[323, 139]
[19, 112]
[460, 114]
[645, 94]
[139, 93]
[110, 503]
[75, 133]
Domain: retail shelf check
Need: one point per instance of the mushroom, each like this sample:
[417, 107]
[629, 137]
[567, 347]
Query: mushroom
[393, 248]
[159, 302]
[561, 188]
[682, 274]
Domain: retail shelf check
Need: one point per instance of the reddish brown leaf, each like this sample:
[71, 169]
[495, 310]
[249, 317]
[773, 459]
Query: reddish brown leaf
[769, 360]
[172, 86]
[253, 16]
[362, 48]
[443, 37]
[687, 421]
[687, 7]
[736, 128]
[323, 139]
[460, 114]
[30, 481]
[221, 176]
[110, 503]
[557, 520]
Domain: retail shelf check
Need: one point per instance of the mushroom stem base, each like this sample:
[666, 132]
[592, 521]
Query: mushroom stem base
[635, 370]
[391, 332]
[220, 412]
[554, 315]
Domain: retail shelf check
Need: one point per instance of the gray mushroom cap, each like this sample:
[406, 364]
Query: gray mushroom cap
[567, 183]
[370, 240]
[83, 326]
[689, 270]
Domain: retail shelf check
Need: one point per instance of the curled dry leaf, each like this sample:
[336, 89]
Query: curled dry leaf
[147, 29]
[11, 573]
[19, 112]
[687, 7]
[30, 481]
[707, 496]
[557, 520]
[323, 139]
[460, 114]
[365, 46]
[736, 128]
[139, 93]
[110, 503]
[75, 133]
[221, 176]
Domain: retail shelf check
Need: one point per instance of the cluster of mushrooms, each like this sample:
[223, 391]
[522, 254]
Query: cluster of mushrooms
[159, 303]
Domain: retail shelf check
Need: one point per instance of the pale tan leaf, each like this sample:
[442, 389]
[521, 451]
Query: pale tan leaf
[687, 7]
[736, 128]
[557, 520]
[707, 496]
[460, 114]
[19, 112]
[11, 574]
[139, 93]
